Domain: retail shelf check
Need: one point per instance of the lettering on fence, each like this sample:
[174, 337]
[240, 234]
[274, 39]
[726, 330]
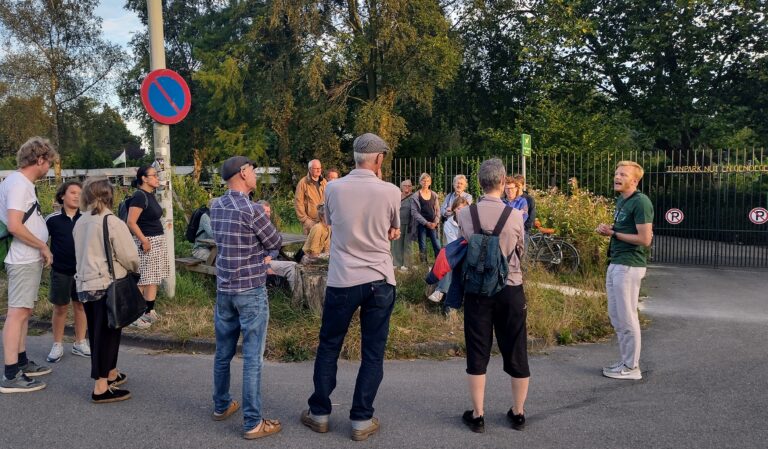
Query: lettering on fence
[717, 168]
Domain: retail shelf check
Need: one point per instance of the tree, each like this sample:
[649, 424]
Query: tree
[96, 134]
[677, 67]
[20, 118]
[54, 50]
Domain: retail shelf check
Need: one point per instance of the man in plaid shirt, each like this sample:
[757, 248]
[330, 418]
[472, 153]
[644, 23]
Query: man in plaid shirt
[243, 235]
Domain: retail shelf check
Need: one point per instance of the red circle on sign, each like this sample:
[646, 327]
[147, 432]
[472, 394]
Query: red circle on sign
[674, 216]
[179, 112]
[758, 215]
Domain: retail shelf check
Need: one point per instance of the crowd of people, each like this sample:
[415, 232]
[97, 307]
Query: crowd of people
[362, 242]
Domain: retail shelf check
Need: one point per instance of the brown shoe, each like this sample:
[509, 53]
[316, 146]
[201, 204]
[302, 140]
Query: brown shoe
[362, 435]
[233, 407]
[266, 428]
[319, 427]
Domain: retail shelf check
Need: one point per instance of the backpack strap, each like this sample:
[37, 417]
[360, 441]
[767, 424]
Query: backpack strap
[475, 219]
[146, 198]
[502, 221]
[31, 211]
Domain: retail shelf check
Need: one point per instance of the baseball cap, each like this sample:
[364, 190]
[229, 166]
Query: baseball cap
[232, 166]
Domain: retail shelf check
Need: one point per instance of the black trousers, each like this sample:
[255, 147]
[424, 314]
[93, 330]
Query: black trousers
[105, 342]
[506, 313]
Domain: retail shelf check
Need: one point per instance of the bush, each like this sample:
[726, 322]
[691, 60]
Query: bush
[575, 218]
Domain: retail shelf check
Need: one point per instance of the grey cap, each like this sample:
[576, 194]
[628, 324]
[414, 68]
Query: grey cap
[369, 143]
[232, 166]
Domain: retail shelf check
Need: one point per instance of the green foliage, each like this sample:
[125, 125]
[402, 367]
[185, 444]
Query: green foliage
[188, 196]
[575, 217]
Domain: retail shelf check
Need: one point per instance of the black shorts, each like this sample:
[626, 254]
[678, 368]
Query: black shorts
[506, 313]
[62, 289]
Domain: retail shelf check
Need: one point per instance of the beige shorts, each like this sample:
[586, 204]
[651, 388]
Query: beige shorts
[23, 284]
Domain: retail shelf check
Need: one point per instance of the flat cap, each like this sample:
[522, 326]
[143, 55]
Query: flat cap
[232, 166]
[369, 143]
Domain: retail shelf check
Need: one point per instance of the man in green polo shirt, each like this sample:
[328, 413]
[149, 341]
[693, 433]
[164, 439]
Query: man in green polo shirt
[631, 236]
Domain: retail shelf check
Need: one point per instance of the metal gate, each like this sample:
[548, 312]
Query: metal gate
[711, 206]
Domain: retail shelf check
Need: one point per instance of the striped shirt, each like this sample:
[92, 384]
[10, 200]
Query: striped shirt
[243, 235]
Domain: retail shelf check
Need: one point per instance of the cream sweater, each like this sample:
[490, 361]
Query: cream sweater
[92, 269]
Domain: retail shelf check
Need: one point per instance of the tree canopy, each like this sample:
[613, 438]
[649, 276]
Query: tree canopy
[285, 81]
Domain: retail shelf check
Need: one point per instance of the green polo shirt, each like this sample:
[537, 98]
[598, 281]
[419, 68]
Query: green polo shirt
[630, 212]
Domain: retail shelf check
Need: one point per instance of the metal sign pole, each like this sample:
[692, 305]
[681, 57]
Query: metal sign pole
[162, 140]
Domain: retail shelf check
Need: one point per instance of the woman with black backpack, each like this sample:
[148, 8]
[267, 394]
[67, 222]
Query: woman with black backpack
[144, 221]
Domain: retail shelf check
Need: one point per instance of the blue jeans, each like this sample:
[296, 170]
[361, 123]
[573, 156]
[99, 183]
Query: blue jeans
[376, 301]
[423, 232]
[248, 312]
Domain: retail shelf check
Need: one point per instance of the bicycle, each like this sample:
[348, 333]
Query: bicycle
[555, 253]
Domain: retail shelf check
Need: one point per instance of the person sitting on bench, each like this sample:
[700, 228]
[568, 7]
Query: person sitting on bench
[281, 268]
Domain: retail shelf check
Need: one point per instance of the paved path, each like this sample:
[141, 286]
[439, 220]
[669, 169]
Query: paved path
[704, 361]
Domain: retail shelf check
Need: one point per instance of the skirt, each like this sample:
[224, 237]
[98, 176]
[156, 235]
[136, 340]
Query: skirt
[153, 266]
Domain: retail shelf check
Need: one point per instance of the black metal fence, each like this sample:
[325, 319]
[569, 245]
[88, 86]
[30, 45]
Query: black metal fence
[711, 206]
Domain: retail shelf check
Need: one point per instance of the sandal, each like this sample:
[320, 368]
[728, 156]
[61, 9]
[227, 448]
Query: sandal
[266, 428]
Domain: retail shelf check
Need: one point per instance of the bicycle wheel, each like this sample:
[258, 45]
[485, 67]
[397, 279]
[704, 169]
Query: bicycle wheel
[534, 242]
[558, 256]
[569, 258]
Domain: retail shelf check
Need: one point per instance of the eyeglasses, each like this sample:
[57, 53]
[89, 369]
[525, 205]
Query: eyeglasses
[154, 175]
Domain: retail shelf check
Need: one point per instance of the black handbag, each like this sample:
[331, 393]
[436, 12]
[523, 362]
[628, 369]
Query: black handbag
[125, 303]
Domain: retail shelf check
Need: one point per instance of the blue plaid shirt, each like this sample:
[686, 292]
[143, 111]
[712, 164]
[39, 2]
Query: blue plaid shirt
[243, 235]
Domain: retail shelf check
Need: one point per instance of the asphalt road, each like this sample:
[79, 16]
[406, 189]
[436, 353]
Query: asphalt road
[704, 363]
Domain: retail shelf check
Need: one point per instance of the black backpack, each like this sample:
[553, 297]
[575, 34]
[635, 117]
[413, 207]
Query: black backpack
[194, 223]
[485, 268]
[122, 208]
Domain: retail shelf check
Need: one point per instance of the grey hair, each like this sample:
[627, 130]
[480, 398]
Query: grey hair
[309, 164]
[459, 177]
[263, 203]
[491, 174]
[406, 180]
[364, 158]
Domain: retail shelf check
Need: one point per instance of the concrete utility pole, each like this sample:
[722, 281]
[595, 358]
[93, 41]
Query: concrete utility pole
[162, 140]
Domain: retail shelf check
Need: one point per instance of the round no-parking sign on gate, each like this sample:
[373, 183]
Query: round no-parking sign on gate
[166, 96]
[758, 215]
[674, 216]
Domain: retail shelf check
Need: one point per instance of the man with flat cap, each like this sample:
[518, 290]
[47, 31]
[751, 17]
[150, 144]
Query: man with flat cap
[244, 234]
[360, 276]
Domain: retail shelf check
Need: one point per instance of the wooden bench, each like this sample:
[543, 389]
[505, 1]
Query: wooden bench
[196, 265]
[209, 266]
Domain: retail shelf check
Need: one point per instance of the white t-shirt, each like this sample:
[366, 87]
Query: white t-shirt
[18, 193]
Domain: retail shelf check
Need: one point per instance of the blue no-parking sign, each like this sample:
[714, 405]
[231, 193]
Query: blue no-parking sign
[166, 96]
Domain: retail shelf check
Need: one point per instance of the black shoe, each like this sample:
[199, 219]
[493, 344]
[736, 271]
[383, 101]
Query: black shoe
[111, 395]
[476, 425]
[119, 380]
[517, 421]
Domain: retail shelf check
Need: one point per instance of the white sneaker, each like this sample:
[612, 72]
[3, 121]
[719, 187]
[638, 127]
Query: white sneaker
[403, 268]
[151, 316]
[141, 323]
[57, 352]
[623, 372]
[437, 296]
[81, 348]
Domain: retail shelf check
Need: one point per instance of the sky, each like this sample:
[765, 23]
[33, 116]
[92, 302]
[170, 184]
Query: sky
[119, 25]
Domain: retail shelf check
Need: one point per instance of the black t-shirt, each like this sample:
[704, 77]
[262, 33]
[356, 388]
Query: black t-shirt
[149, 220]
[60, 227]
[427, 208]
